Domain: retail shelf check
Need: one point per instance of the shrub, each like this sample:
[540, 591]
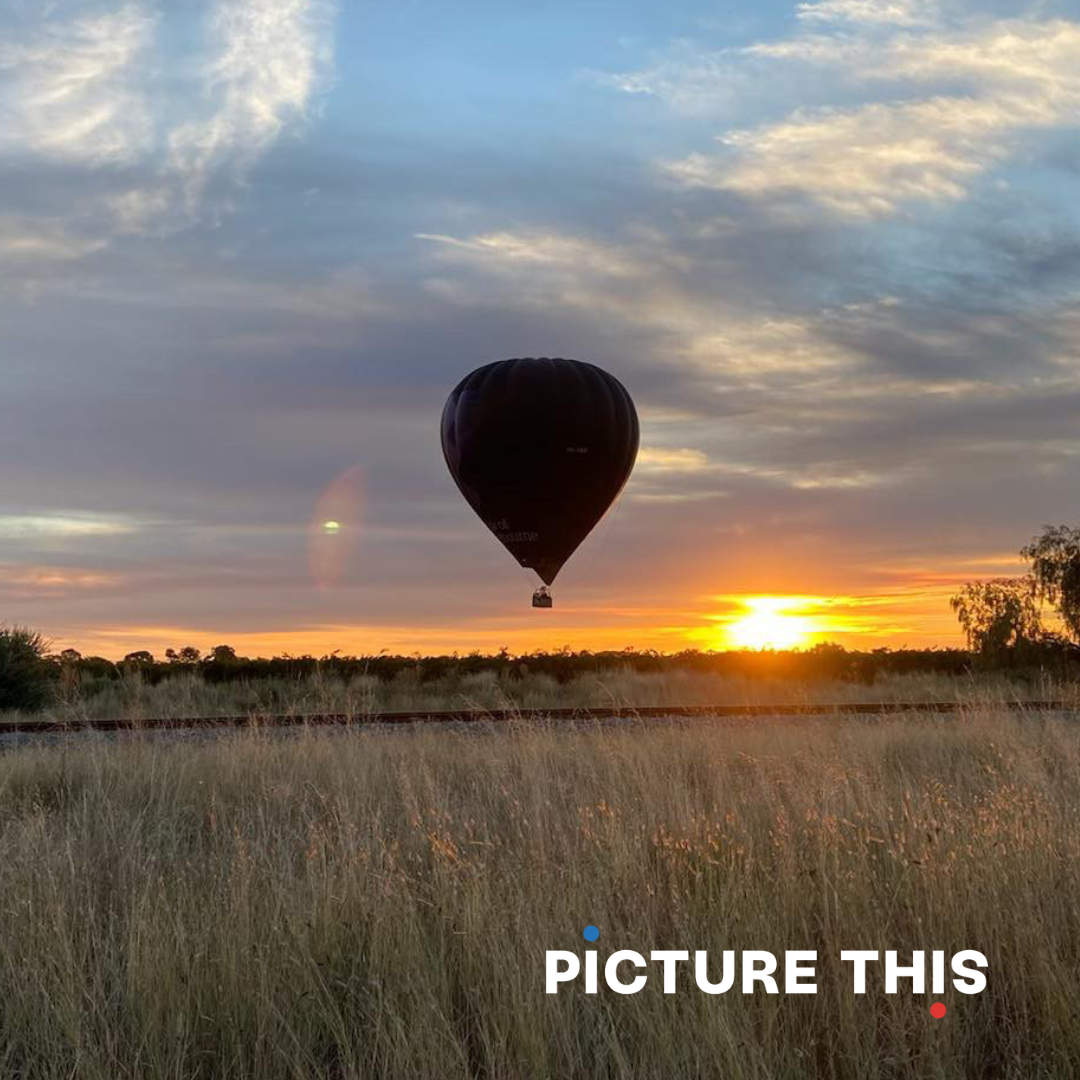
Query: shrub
[25, 674]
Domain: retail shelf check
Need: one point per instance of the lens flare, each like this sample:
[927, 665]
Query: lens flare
[334, 530]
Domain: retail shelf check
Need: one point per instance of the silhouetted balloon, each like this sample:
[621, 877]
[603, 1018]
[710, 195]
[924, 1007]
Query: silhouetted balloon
[540, 448]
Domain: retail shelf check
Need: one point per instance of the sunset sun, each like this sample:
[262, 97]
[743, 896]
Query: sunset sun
[770, 623]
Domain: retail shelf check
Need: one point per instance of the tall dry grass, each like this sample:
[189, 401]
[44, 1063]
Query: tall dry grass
[378, 904]
[190, 695]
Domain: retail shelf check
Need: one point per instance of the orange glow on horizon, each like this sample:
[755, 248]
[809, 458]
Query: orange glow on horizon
[909, 607]
[895, 619]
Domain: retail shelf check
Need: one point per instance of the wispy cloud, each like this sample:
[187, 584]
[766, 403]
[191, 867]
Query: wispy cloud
[40, 239]
[862, 162]
[75, 88]
[661, 459]
[872, 12]
[62, 526]
[945, 101]
[532, 250]
[101, 90]
[267, 59]
[52, 581]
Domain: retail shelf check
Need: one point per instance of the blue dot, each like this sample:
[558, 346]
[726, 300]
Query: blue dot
[590, 933]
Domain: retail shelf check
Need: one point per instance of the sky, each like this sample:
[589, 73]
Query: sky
[247, 247]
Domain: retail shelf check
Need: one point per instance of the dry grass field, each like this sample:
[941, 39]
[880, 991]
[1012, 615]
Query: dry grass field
[132, 697]
[378, 904]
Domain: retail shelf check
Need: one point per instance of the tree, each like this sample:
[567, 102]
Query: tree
[187, 655]
[140, 656]
[97, 667]
[70, 656]
[222, 654]
[25, 674]
[999, 617]
[1055, 568]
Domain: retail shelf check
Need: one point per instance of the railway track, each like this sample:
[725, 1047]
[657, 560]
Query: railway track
[465, 716]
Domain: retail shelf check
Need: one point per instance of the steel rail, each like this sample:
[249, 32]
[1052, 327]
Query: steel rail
[466, 716]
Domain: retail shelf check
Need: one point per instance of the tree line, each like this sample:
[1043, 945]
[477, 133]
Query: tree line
[29, 675]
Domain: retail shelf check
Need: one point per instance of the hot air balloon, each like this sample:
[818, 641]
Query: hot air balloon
[540, 448]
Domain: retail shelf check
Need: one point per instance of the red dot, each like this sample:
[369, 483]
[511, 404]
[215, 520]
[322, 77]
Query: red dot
[937, 1010]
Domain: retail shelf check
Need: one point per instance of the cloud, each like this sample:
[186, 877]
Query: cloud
[872, 12]
[62, 526]
[535, 250]
[51, 581]
[43, 239]
[72, 89]
[267, 62]
[639, 276]
[668, 286]
[159, 128]
[945, 101]
[659, 459]
[865, 162]
[924, 386]
[328, 298]
[689, 79]
[538, 269]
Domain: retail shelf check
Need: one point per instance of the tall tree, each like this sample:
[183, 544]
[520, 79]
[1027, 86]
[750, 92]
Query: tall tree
[1054, 556]
[999, 616]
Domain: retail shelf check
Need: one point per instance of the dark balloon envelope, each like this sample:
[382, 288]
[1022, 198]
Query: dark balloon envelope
[540, 448]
